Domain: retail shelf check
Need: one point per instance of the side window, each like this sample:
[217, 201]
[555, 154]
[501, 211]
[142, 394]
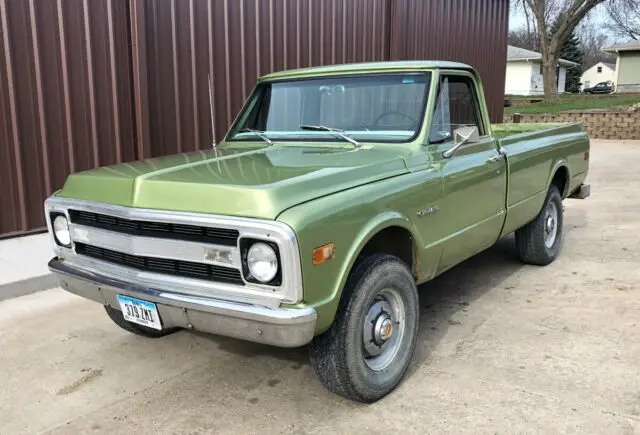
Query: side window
[456, 106]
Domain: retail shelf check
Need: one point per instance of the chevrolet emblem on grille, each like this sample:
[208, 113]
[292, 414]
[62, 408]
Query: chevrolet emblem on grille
[80, 235]
[217, 255]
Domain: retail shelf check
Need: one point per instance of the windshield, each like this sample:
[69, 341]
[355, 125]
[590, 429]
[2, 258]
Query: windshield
[376, 108]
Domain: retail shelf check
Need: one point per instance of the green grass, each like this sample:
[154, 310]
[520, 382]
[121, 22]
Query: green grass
[576, 102]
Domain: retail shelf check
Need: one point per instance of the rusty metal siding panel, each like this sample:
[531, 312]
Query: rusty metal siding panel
[243, 39]
[12, 202]
[28, 141]
[236, 54]
[140, 67]
[180, 37]
[51, 51]
[112, 101]
[469, 31]
[162, 122]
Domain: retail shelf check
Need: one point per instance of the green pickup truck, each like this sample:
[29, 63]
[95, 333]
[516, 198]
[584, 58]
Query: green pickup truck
[336, 192]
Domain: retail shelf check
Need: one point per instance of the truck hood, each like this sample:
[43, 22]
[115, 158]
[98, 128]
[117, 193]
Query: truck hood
[253, 181]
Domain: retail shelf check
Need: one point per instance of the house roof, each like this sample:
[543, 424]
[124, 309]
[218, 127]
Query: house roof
[628, 46]
[611, 66]
[517, 53]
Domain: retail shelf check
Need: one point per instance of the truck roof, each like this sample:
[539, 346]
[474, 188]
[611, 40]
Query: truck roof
[364, 68]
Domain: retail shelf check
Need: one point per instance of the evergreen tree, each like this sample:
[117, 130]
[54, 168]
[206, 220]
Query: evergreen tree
[571, 51]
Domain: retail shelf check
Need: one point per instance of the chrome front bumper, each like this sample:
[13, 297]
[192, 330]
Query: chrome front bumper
[281, 327]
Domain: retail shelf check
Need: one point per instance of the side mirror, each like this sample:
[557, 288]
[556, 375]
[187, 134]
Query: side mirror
[462, 136]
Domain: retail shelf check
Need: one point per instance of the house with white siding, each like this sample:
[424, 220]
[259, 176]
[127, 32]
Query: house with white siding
[600, 72]
[524, 72]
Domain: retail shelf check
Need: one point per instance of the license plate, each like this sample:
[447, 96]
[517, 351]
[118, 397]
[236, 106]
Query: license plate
[141, 312]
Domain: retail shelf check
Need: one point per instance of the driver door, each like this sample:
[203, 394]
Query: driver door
[474, 178]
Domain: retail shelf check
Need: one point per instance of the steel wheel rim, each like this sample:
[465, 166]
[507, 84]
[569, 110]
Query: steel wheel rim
[383, 329]
[550, 224]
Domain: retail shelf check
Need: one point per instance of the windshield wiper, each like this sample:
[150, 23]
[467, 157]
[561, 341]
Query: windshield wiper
[258, 133]
[335, 131]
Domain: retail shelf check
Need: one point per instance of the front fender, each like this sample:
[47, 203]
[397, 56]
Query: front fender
[349, 219]
[368, 231]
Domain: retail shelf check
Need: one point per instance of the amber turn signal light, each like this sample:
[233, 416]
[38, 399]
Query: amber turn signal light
[324, 253]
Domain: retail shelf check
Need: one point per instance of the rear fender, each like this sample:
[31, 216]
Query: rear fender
[562, 163]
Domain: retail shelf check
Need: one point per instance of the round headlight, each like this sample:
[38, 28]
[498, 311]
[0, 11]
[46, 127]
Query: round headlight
[61, 230]
[262, 262]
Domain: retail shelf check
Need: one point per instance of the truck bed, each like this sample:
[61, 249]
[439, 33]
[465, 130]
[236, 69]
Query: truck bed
[501, 131]
[534, 153]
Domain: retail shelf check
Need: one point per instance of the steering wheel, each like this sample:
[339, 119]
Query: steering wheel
[395, 112]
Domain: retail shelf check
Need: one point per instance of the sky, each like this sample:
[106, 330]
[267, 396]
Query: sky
[517, 19]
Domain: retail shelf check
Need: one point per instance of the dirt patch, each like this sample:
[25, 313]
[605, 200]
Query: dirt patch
[88, 376]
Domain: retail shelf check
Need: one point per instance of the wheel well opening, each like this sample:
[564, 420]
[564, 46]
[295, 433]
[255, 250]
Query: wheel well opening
[561, 180]
[395, 241]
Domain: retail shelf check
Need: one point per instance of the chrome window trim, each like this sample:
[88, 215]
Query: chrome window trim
[290, 291]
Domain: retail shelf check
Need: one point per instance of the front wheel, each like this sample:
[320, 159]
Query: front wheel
[540, 240]
[367, 350]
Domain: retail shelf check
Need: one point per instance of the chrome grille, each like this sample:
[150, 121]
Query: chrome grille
[163, 265]
[195, 244]
[217, 236]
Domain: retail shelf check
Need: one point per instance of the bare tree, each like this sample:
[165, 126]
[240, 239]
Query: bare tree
[527, 35]
[624, 18]
[567, 14]
[523, 39]
[592, 41]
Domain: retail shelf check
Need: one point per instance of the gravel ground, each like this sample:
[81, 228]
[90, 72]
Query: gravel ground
[503, 348]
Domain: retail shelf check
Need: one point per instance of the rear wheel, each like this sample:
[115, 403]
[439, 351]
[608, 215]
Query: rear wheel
[540, 240]
[145, 331]
[367, 350]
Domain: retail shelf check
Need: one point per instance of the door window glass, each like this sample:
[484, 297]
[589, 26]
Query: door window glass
[456, 106]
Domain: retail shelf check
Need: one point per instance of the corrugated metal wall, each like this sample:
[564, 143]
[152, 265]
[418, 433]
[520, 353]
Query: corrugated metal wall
[93, 82]
[231, 43]
[65, 99]
[260, 36]
[470, 31]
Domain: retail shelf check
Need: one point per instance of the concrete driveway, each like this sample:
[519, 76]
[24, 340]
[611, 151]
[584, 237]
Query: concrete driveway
[503, 348]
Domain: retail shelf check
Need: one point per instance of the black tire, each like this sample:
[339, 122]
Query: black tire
[530, 239]
[338, 355]
[145, 331]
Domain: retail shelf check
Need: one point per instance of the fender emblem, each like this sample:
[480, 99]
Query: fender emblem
[429, 210]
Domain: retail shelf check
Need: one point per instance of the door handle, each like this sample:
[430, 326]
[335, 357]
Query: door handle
[494, 159]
